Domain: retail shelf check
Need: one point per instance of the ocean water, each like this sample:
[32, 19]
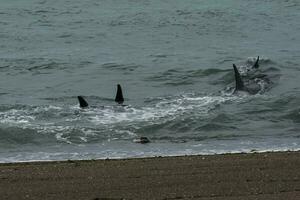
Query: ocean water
[173, 59]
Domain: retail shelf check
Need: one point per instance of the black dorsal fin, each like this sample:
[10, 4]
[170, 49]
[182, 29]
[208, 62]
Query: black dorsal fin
[239, 85]
[82, 102]
[119, 96]
[256, 65]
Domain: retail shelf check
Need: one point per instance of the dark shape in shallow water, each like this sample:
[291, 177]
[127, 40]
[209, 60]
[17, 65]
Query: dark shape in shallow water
[142, 140]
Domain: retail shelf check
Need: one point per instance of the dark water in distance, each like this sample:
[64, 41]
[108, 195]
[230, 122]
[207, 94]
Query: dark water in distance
[174, 60]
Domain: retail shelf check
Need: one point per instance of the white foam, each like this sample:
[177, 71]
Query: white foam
[163, 110]
[14, 117]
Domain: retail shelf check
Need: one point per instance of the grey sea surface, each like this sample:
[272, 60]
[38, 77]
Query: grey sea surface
[173, 59]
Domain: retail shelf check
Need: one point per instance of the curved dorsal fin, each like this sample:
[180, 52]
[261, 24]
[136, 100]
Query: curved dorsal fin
[119, 96]
[82, 102]
[256, 65]
[239, 85]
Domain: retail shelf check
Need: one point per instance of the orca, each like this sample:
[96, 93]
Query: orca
[239, 85]
[119, 96]
[251, 83]
[256, 65]
[249, 69]
[118, 99]
[82, 102]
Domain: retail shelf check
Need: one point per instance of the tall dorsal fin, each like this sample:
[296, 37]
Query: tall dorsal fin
[256, 65]
[82, 102]
[239, 85]
[119, 96]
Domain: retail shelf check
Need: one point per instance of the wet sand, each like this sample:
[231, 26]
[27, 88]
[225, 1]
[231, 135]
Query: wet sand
[217, 177]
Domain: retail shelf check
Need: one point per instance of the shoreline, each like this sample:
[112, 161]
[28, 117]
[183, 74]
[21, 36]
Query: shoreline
[268, 175]
[146, 157]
